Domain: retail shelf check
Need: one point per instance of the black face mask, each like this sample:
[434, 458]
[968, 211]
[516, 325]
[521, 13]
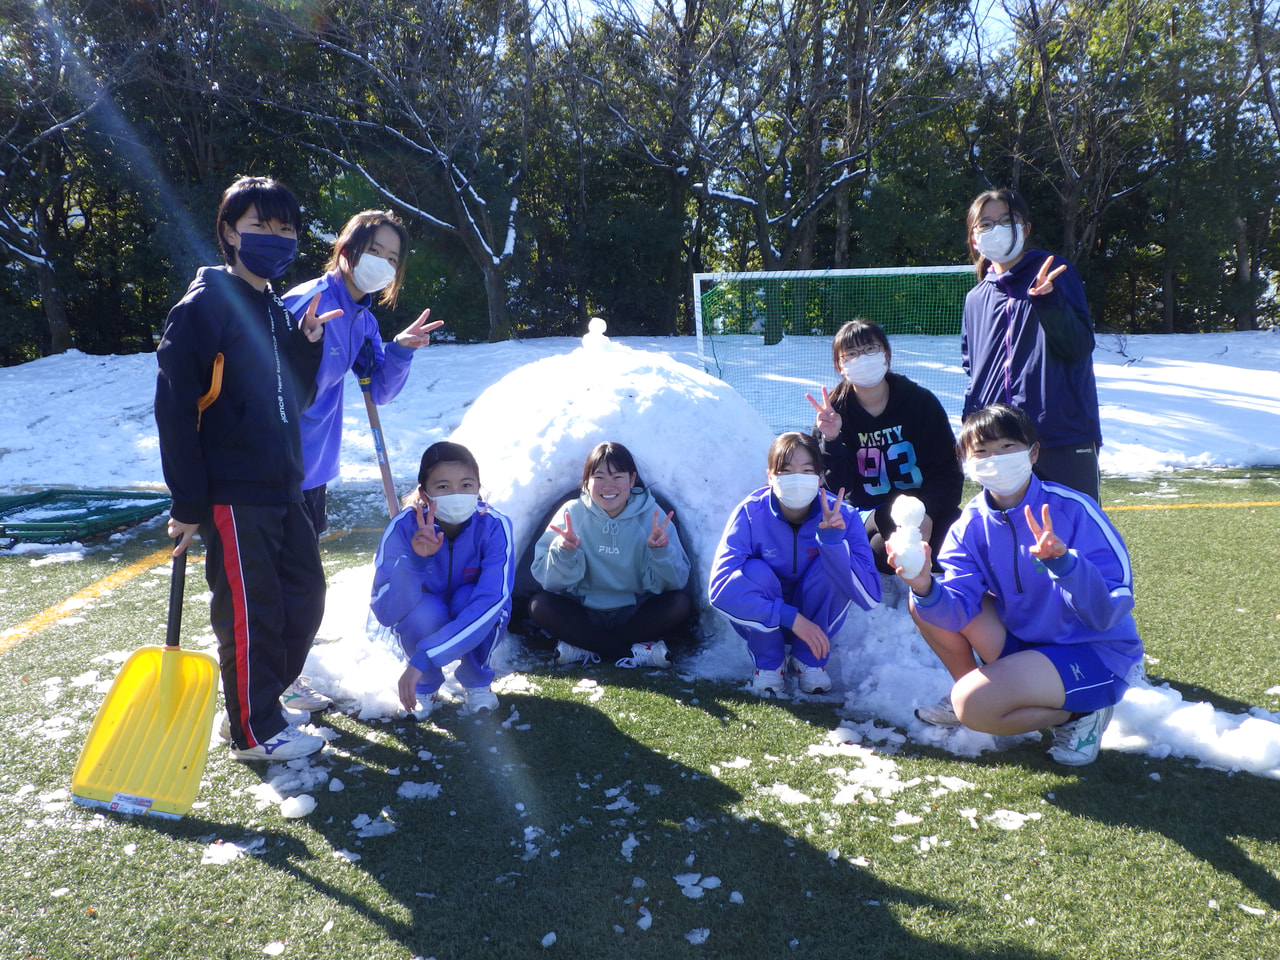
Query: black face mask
[267, 255]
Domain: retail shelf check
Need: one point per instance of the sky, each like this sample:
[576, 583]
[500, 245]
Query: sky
[531, 410]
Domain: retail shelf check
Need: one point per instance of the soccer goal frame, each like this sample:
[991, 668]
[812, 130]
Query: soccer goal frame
[767, 333]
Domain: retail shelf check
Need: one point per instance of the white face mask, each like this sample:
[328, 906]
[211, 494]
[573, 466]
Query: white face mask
[796, 490]
[455, 507]
[866, 370]
[1003, 474]
[1000, 244]
[372, 273]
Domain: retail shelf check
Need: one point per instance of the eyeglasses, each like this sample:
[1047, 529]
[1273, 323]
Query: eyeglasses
[986, 226]
[870, 350]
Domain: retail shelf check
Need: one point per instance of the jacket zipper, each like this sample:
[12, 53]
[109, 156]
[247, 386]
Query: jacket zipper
[1013, 539]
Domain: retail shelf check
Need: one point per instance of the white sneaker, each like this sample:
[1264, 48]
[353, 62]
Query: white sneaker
[812, 679]
[424, 707]
[1076, 742]
[289, 744]
[480, 698]
[769, 683]
[941, 714]
[647, 655]
[300, 695]
[567, 653]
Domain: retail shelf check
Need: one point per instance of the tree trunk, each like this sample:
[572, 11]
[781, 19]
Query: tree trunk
[1246, 306]
[495, 290]
[55, 311]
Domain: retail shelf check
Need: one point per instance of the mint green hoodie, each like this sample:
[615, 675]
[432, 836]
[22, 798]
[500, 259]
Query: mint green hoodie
[613, 566]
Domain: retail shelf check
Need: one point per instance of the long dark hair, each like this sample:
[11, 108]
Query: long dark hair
[355, 238]
[852, 336]
[1017, 209]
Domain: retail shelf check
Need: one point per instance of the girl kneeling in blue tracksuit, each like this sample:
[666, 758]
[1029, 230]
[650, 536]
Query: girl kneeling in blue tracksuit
[1036, 582]
[442, 581]
[790, 563]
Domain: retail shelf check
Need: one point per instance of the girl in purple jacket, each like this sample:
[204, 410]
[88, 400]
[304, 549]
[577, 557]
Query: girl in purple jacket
[442, 581]
[1037, 586]
[368, 259]
[790, 563]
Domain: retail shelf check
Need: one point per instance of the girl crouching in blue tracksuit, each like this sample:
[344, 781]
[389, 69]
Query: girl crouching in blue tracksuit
[442, 581]
[1036, 582]
[790, 563]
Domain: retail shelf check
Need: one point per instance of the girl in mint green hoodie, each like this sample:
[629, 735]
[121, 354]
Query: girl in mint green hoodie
[613, 571]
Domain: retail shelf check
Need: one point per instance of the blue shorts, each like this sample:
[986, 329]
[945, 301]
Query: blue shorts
[1089, 684]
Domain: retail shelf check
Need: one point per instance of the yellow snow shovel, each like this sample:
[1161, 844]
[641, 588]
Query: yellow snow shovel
[147, 747]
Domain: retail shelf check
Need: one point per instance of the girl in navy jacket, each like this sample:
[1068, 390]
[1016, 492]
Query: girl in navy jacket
[442, 581]
[1037, 584]
[1027, 340]
[791, 562]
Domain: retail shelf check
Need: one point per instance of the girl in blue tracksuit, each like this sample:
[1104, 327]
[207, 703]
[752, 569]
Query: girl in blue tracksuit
[442, 580]
[1036, 583]
[368, 258]
[790, 563]
[1027, 340]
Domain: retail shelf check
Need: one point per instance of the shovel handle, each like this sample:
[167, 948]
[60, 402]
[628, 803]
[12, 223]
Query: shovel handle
[177, 587]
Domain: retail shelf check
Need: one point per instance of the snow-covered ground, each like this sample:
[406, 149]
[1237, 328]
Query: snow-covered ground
[532, 409]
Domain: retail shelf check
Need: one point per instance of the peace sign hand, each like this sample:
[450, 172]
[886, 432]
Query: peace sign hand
[1048, 546]
[418, 333]
[832, 517]
[428, 539]
[827, 421]
[658, 536]
[567, 539]
[313, 326]
[1044, 279]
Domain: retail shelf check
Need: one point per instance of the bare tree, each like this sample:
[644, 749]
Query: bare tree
[427, 104]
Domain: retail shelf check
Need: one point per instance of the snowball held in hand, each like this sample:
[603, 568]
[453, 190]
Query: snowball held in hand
[907, 512]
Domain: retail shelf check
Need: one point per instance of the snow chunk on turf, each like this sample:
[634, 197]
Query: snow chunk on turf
[628, 846]
[549, 939]
[1010, 819]
[697, 935]
[366, 826]
[222, 852]
[646, 918]
[416, 791]
[788, 794]
[298, 806]
[274, 948]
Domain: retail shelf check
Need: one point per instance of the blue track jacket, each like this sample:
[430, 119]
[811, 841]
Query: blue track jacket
[483, 553]
[757, 528]
[343, 338]
[1033, 353]
[1083, 597]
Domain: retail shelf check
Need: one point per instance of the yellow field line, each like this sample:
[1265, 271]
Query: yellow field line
[1188, 506]
[11, 638]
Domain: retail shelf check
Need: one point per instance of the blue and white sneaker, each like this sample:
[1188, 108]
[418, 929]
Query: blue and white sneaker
[300, 695]
[1076, 742]
[289, 744]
